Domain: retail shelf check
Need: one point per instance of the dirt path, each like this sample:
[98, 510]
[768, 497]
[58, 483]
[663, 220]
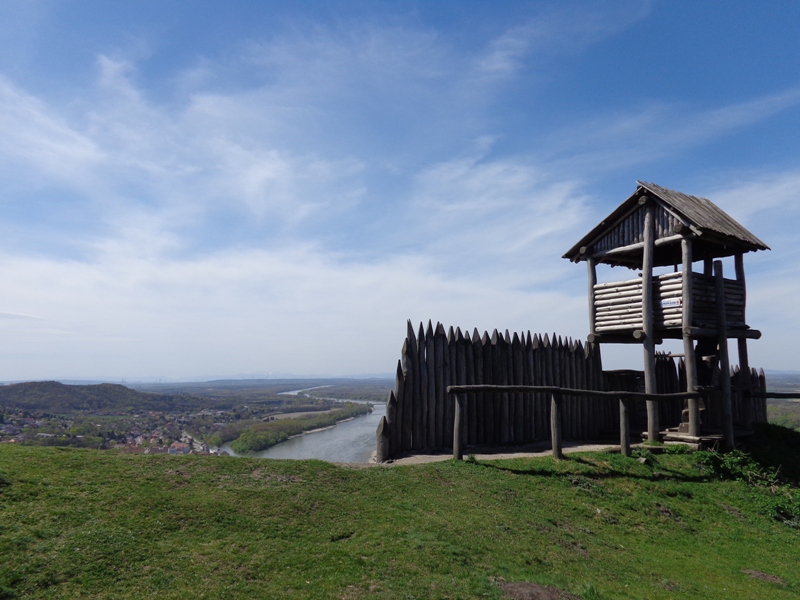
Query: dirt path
[500, 452]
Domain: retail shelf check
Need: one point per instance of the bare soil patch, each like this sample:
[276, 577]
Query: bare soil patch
[524, 590]
[764, 576]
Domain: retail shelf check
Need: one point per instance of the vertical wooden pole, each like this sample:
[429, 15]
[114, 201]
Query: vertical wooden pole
[649, 343]
[592, 269]
[688, 343]
[555, 425]
[458, 427]
[725, 365]
[745, 394]
[624, 428]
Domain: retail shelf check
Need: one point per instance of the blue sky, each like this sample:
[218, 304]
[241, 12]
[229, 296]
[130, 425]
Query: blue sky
[255, 188]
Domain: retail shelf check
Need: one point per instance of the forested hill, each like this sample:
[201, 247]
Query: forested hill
[58, 398]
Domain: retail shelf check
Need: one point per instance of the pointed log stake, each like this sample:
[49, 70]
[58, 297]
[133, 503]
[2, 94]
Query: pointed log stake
[725, 365]
[555, 425]
[382, 434]
[458, 427]
[391, 422]
[430, 363]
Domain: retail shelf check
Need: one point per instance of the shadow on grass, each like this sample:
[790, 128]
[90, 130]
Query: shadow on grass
[609, 470]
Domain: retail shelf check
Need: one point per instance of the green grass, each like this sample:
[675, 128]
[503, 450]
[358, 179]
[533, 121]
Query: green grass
[93, 524]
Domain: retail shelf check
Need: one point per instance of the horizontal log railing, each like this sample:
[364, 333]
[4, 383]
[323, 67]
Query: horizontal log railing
[461, 391]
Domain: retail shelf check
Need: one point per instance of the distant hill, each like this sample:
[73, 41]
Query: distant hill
[58, 398]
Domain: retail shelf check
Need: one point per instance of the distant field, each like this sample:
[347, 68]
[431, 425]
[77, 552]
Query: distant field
[784, 412]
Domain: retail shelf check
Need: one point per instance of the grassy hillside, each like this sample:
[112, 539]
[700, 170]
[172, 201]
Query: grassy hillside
[82, 523]
[55, 397]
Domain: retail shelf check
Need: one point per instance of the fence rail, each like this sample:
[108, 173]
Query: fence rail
[556, 393]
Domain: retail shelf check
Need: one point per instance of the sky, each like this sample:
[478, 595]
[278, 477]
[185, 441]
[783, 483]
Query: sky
[265, 189]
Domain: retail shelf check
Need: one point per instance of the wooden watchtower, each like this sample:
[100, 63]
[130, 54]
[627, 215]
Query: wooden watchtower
[657, 227]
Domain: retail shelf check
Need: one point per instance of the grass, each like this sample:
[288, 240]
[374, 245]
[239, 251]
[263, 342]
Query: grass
[92, 524]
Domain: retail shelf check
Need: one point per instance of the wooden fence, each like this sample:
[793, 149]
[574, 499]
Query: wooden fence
[420, 413]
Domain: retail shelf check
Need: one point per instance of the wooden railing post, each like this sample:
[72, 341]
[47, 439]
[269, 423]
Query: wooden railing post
[555, 425]
[458, 427]
[624, 428]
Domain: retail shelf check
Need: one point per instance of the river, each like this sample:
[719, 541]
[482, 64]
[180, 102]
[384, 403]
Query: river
[347, 441]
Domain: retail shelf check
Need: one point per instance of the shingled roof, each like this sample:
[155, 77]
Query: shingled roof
[617, 240]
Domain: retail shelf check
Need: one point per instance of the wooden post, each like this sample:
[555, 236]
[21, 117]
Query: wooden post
[458, 427]
[688, 343]
[555, 425]
[649, 343]
[592, 269]
[725, 365]
[745, 394]
[624, 429]
[382, 435]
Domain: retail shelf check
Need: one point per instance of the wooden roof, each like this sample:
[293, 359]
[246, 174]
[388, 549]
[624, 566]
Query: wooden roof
[619, 238]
